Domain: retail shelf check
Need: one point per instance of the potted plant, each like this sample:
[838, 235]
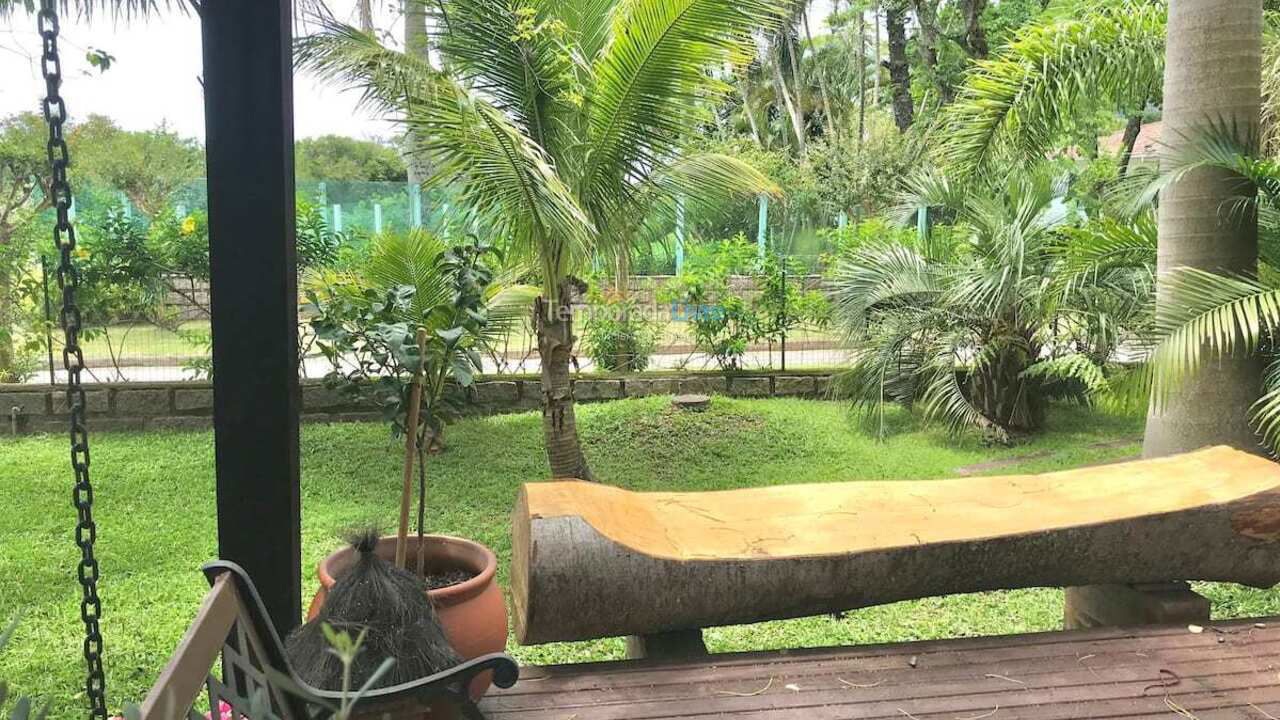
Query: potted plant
[404, 330]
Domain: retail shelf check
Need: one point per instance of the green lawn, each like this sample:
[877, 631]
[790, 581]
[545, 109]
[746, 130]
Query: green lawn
[155, 513]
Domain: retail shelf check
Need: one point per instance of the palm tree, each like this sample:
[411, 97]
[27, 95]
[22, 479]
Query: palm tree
[565, 119]
[1213, 74]
[971, 329]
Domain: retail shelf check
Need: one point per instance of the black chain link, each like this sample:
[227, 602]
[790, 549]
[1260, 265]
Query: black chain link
[64, 239]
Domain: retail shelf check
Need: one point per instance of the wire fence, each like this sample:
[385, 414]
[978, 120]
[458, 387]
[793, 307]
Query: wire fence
[177, 347]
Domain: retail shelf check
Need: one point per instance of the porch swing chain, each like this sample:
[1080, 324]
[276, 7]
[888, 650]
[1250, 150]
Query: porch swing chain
[64, 238]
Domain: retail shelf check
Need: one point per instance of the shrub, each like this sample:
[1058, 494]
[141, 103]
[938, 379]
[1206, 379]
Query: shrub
[616, 334]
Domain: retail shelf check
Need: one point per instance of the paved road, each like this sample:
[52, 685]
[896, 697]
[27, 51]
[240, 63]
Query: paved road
[317, 367]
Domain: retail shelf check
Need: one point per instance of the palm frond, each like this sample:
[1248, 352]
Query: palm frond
[1077, 367]
[517, 55]
[1052, 72]
[1222, 145]
[412, 259]
[390, 81]
[1104, 246]
[117, 9]
[471, 145]
[944, 400]
[649, 81]
[880, 276]
[1207, 316]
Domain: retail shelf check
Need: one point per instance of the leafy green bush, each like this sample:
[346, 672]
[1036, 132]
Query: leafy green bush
[783, 305]
[317, 243]
[616, 334]
[180, 243]
[366, 320]
[723, 325]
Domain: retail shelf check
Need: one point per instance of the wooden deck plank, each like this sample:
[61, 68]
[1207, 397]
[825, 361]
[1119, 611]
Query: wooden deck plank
[1230, 670]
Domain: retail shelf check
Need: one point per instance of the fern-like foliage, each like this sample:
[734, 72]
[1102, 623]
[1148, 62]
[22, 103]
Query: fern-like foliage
[1013, 107]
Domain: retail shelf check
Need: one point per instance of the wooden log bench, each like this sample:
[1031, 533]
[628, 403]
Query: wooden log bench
[592, 561]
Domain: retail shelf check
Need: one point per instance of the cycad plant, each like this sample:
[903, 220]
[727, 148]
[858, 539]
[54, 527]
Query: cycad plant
[564, 120]
[969, 328]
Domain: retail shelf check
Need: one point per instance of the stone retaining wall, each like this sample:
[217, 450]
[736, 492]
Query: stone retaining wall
[184, 405]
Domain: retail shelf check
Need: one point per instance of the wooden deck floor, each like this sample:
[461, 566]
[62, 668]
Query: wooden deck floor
[1230, 670]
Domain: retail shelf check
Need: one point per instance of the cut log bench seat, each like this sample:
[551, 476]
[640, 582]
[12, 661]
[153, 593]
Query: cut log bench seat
[593, 561]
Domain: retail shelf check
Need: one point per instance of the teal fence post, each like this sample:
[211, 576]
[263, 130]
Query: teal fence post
[922, 225]
[377, 217]
[180, 210]
[763, 233]
[842, 221]
[679, 234]
[323, 193]
[125, 206]
[71, 211]
[415, 205]
[337, 218]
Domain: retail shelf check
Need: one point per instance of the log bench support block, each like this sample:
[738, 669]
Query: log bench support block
[672, 645]
[1143, 604]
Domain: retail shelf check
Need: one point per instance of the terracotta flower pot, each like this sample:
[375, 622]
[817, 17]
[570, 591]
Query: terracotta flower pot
[472, 612]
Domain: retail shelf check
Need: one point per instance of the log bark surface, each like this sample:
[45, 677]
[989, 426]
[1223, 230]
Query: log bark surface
[594, 561]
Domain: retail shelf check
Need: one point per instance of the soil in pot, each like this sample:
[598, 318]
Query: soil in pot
[446, 578]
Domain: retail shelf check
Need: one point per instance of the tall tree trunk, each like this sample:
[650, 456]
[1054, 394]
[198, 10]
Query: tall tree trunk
[8, 325]
[927, 14]
[899, 69]
[780, 88]
[830, 125]
[554, 327]
[975, 38]
[1132, 129]
[1212, 74]
[366, 15]
[416, 42]
[862, 73]
[875, 16]
[744, 89]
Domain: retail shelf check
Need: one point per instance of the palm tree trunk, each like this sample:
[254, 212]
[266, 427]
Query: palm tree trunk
[1132, 129]
[554, 326]
[830, 124]
[875, 15]
[415, 42]
[780, 88]
[899, 68]
[1212, 73]
[744, 87]
[8, 325]
[975, 38]
[366, 15]
[927, 14]
[862, 73]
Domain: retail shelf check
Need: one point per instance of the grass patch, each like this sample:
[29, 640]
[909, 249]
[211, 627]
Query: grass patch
[155, 509]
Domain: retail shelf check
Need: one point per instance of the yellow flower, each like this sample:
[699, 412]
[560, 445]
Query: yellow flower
[188, 225]
[82, 252]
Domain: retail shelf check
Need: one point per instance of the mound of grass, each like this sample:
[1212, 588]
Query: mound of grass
[155, 509]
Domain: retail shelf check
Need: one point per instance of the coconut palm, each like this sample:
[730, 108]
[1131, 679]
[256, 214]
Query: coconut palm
[566, 120]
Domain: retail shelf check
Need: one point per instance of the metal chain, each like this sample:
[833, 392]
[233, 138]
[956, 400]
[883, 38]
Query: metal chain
[64, 239]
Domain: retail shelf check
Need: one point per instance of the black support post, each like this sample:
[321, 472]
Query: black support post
[248, 91]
